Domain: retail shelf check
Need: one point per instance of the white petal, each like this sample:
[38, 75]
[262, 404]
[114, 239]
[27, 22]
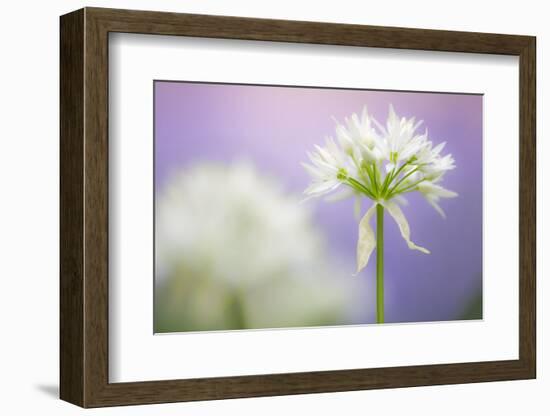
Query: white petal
[366, 241]
[430, 188]
[321, 188]
[433, 202]
[389, 167]
[378, 150]
[325, 155]
[357, 207]
[313, 171]
[324, 165]
[418, 124]
[346, 142]
[331, 147]
[365, 116]
[392, 117]
[401, 200]
[368, 154]
[380, 127]
[394, 210]
[339, 196]
[445, 193]
[437, 149]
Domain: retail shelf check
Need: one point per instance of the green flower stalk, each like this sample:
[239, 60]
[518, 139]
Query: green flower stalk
[381, 163]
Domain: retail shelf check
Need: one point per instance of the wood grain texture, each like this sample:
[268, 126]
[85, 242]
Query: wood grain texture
[71, 208]
[527, 207]
[84, 207]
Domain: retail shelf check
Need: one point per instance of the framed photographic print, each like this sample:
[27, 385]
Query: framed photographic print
[255, 207]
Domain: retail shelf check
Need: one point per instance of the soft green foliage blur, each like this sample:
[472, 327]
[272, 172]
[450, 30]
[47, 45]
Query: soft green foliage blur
[474, 307]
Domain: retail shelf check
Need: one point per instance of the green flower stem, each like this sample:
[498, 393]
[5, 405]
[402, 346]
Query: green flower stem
[372, 177]
[400, 181]
[407, 188]
[387, 180]
[391, 176]
[358, 186]
[379, 264]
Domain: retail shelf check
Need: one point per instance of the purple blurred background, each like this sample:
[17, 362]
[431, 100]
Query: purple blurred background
[274, 127]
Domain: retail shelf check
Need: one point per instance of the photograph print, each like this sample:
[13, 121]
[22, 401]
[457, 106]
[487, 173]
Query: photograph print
[296, 206]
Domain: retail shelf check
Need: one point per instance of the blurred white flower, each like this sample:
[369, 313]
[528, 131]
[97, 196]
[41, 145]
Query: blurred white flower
[382, 163]
[234, 250]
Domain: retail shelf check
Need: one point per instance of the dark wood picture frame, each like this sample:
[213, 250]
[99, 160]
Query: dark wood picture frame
[84, 207]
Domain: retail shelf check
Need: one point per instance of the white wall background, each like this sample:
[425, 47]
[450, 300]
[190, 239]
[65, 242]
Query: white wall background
[29, 207]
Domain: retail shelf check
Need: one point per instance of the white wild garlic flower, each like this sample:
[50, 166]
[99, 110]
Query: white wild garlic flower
[381, 163]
